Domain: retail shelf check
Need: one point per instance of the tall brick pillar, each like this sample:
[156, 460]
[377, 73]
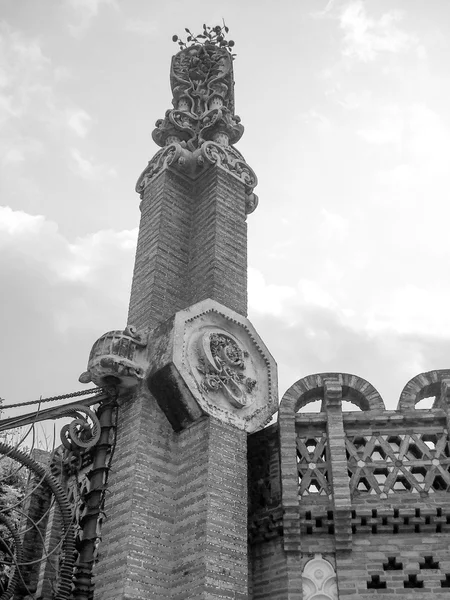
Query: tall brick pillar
[193, 375]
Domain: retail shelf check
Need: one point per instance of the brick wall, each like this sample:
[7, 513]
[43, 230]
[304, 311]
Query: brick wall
[136, 554]
[210, 535]
[384, 475]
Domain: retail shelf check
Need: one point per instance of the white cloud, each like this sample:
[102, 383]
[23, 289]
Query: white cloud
[22, 149]
[86, 11]
[325, 11]
[413, 309]
[147, 28]
[88, 169]
[88, 254]
[365, 37]
[59, 296]
[424, 139]
[23, 65]
[79, 122]
[267, 298]
[333, 227]
[90, 261]
[322, 122]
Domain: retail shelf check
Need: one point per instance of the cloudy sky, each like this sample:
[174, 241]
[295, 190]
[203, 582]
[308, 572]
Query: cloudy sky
[346, 110]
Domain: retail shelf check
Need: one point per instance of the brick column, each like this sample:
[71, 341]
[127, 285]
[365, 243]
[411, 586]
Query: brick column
[290, 498]
[136, 553]
[218, 257]
[160, 286]
[176, 512]
[210, 536]
[338, 466]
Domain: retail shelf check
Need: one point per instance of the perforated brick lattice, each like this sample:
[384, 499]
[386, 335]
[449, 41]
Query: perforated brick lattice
[312, 465]
[408, 462]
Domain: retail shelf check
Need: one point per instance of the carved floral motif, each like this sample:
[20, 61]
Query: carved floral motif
[222, 364]
[232, 160]
[202, 127]
[201, 73]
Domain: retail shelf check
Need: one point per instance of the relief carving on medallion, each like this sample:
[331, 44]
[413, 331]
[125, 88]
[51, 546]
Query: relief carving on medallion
[222, 368]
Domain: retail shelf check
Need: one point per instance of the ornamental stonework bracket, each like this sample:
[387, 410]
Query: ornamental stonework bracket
[207, 359]
[117, 358]
[201, 128]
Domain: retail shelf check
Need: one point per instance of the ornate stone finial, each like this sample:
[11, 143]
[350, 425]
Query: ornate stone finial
[201, 78]
[202, 126]
[119, 355]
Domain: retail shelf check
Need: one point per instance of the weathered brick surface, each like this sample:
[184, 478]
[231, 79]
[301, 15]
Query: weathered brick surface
[211, 513]
[159, 286]
[359, 523]
[218, 253]
[371, 553]
[192, 245]
[136, 554]
[177, 504]
[338, 466]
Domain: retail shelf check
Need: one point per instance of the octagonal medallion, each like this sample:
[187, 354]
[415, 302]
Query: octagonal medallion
[208, 359]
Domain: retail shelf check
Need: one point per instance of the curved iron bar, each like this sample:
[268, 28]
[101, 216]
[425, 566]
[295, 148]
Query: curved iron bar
[47, 413]
[68, 546]
[12, 584]
[72, 434]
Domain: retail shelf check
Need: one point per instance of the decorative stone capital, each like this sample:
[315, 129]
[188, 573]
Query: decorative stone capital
[209, 360]
[193, 163]
[201, 128]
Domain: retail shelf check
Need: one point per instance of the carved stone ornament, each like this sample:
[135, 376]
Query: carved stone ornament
[208, 359]
[193, 162]
[319, 580]
[118, 354]
[223, 368]
[201, 128]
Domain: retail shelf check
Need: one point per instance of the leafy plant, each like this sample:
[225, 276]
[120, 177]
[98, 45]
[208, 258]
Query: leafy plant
[211, 36]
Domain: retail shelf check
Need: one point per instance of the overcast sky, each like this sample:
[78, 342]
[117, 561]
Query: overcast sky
[346, 111]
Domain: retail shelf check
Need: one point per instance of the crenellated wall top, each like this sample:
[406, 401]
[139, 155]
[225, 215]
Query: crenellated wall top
[355, 389]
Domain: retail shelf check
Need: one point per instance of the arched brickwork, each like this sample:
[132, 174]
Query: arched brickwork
[355, 389]
[422, 386]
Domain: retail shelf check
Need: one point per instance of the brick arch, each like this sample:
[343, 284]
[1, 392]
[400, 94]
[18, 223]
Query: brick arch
[355, 389]
[422, 386]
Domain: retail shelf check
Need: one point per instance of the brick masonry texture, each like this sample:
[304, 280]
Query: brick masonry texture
[177, 516]
[405, 527]
[176, 521]
[218, 255]
[192, 245]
